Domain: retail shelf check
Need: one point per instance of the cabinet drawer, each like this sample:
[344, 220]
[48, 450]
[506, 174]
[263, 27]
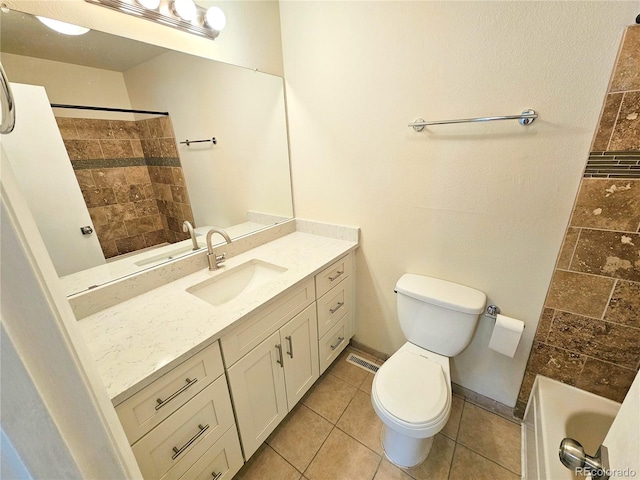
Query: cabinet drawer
[333, 274]
[334, 342]
[220, 462]
[147, 408]
[170, 449]
[253, 331]
[334, 304]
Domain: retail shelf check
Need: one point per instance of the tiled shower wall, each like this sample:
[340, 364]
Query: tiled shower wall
[131, 180]
[589, 331]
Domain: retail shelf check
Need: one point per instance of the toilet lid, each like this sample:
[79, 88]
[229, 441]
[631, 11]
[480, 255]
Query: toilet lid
[412, 388]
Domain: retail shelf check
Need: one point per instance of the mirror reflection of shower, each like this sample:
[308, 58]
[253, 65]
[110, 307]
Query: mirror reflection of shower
[131, 179]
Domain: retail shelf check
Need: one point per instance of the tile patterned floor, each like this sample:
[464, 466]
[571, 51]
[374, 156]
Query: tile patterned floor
[334, 434]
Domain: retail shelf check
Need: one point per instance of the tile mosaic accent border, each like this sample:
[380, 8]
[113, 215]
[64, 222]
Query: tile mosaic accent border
[163, 162]
[613, 164]
[124, 162]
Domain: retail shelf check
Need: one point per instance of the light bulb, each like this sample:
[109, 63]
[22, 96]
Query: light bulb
[150, 4]
[215, 18]
[63, 27]
[185, 9]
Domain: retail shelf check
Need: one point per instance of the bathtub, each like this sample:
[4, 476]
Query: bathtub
[555, 411]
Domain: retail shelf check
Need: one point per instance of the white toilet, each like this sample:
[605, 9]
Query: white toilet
[411, 392]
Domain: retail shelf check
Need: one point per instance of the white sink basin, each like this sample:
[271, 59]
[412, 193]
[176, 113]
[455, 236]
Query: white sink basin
[236, 281]
[164, 256]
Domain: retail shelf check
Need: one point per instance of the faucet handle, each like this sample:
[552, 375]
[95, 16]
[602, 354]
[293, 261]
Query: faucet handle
[215, 261]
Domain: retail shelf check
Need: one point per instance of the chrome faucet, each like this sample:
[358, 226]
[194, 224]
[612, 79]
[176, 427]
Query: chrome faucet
[187, 227]
[215, 260]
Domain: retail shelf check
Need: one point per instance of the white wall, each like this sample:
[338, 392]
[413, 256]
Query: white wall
[248, 169]
[251, 37]
[71, 84]
[485, 205]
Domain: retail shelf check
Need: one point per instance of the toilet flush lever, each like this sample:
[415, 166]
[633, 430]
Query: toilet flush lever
[573, 456]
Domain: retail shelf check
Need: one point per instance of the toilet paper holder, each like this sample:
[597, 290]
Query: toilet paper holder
[492, 311]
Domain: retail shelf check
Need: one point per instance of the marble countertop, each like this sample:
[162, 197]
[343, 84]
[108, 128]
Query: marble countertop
[135, 342]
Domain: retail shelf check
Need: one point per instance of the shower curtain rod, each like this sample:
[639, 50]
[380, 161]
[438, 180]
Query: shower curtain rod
[107, 109]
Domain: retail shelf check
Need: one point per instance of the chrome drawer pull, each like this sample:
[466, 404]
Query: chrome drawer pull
[290, 352]
[280, 360]
[162, 403]
[338, 273]
[215, 475]
[340, 340]
[178, 451]
[336, 308]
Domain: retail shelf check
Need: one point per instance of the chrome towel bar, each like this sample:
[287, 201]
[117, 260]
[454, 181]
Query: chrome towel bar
[525, 118]
[189, 142]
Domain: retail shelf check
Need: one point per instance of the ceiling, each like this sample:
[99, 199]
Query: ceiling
[24, 34]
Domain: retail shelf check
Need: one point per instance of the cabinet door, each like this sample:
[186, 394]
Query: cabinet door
[300, 343]
[259, 395]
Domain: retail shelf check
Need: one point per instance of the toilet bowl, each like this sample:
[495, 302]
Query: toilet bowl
[411, 394]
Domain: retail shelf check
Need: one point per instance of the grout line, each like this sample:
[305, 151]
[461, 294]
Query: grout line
[513, 418]
[378, 467]
[276, 452]
[583, 355]
[597, 318]
[318, 451]
[622, 91]
[553, 317]
[575, 246]
[578, 314]
[611, 230]
[586, 273]
[487, 458]
[493, 406]
[615, 123]
[613, 289]
[453, 456]
[478, 453]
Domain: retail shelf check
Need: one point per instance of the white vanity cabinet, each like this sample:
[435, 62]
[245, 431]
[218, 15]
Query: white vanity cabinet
[268, 381]
[184, 419]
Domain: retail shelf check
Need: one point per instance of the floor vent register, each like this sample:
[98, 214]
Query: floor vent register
[362, 363]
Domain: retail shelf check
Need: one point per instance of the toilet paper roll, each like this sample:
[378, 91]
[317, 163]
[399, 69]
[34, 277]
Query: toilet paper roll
[506, 335]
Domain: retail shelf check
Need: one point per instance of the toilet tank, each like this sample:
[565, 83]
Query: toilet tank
[438, 315]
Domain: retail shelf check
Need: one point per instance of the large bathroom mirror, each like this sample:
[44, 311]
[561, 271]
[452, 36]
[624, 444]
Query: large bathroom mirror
[212, 151]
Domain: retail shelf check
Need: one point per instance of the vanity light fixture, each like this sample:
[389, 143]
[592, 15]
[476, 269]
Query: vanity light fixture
[149, 4]
[63, 27]
[184, 15]
[215, 18]
[185, 9]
